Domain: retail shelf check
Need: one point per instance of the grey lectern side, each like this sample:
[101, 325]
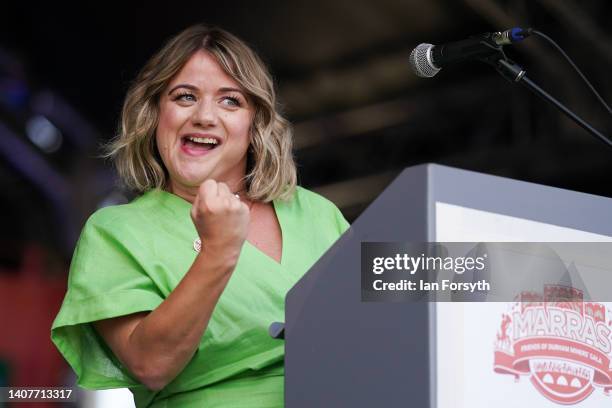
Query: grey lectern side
[342, 352]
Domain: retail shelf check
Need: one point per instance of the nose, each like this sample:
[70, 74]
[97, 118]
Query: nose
[205, 114]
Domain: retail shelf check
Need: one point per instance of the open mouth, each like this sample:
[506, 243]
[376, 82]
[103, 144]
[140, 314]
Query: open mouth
[200, 143]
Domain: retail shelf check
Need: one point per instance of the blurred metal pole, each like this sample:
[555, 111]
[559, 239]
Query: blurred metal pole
[50, 183]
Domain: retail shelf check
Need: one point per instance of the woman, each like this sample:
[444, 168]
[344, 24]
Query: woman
[172, 294]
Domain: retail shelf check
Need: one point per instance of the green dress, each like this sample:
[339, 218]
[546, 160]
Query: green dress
[130, 257]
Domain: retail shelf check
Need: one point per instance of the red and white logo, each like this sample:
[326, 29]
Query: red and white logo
[560, 342]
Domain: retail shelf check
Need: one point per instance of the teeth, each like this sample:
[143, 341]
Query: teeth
[207, 140]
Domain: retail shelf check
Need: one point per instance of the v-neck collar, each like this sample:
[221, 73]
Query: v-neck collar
[180, 208]
[247, 244]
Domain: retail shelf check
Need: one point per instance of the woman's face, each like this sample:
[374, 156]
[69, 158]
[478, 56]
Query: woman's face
[204, 127]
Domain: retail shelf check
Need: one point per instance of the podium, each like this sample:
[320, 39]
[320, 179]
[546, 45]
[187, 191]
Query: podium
[343, 352]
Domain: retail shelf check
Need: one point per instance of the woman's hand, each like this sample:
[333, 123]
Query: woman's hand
[220, 218]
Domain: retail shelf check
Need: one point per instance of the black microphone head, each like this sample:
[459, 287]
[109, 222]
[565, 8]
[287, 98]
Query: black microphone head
[421, 61]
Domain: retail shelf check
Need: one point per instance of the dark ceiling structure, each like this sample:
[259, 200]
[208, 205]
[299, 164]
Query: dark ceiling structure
[341, 67]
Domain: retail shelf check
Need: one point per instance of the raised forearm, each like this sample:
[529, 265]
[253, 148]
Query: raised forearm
[159, 345]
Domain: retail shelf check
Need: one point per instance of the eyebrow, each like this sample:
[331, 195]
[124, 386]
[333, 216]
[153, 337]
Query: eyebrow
[195, 88]
[228, 89]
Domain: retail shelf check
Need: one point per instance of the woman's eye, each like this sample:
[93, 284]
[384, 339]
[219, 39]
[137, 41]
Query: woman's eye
[187, 97]
[231, 101]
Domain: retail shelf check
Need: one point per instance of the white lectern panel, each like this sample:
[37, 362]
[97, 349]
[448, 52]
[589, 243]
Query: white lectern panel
[468, 334]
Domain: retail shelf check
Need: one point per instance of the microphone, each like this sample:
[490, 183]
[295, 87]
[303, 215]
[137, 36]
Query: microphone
[426, 60]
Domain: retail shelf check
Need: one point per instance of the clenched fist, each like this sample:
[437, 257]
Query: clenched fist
[220, 218]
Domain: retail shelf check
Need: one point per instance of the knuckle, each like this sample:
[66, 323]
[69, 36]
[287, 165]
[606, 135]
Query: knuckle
[208, 186]
[203, 203]
[214, 206]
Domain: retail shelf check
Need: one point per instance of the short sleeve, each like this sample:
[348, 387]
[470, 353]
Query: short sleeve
[107, 279]
[341, 222]
[330, 224]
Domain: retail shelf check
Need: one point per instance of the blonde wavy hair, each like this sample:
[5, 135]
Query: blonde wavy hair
[271, 171]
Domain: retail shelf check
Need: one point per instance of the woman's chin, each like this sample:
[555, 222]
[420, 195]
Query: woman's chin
[188, 182]
[191, 180]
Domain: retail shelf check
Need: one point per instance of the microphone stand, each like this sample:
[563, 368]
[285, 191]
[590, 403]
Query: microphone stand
[516, 74]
